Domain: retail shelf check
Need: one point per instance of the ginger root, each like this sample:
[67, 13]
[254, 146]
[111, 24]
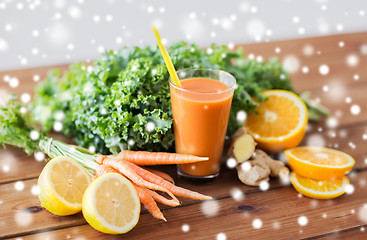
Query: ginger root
[259, 168]
[243, 145]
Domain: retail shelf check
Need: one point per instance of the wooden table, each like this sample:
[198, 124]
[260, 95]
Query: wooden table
[278, 208]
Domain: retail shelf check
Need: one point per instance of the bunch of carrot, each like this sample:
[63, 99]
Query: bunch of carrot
[148, 181]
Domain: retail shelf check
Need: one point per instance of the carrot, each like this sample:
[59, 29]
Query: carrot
[126, 170]
[148, 201]
[178, 191]
[159, 198]
[163, 175]
[102, 169]
[155, 158]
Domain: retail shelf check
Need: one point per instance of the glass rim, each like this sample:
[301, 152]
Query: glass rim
[205, 69]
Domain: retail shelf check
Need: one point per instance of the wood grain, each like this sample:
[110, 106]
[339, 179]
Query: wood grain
[278, 208]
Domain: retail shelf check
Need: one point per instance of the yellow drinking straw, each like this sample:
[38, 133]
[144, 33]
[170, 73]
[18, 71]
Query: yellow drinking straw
[166, 58]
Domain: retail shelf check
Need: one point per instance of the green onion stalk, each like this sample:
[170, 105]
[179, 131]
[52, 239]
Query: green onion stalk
[17, 129]
[54, 148]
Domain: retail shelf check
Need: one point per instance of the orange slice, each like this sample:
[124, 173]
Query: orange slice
[319, 163]
[280, 123]
[319, 189]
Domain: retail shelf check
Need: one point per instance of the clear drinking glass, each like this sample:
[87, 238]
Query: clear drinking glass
[200, 109]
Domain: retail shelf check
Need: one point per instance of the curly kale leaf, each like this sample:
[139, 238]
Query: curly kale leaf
[16, 127]
[108, 105]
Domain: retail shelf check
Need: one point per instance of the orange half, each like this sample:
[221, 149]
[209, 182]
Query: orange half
[319, 189]
[280, 123]
[319, 163]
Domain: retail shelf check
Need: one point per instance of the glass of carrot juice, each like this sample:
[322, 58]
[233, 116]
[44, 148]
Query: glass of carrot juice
[200, 109]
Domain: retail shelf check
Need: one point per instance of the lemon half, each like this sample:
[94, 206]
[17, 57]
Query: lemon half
[61, 184]
[111, 204]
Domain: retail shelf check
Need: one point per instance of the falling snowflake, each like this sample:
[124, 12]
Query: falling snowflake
[8, 27]
[257, 223]
[59, 33]
[332, 122]
[221, 236]
[237, 194]
[253, 9]
[19, 185]
[349, 189]
[363, 49]
[96, 18]
[150, 9]
[58, 126]
[295, 19]
[210, 208]
[255, 28]
[92, 149]
[6, 168]
[246, 166]
[264, 185]
[352, 60]
[362, 213]
[314, 203]
[291, 63]
[324, 69]
[355, 109]
[305, 69]
[302, 221]
[109, 18]
[339, 27]
[276, 225]
[150, 126]
[301, 30]
[3, 45]
[315, 140]
[308, 50]
[231, 163]
[74, 12]
[131, 142]
[25, 97]
[241, 116]
[14, 82]
[244, 7]
[185, 228]
[23, 218]
[352, 145]
[34, 135]
[35, 190]
[119, 40]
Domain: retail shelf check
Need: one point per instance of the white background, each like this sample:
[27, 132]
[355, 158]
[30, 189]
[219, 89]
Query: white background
[40, 32]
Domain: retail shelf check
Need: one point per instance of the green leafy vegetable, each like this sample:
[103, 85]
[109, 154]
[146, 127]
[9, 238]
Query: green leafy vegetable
[108, 105]
[16, 127]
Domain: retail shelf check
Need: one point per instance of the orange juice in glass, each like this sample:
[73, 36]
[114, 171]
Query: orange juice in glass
[200, 109]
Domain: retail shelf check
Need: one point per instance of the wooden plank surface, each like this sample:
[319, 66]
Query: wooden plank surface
[278, 208]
